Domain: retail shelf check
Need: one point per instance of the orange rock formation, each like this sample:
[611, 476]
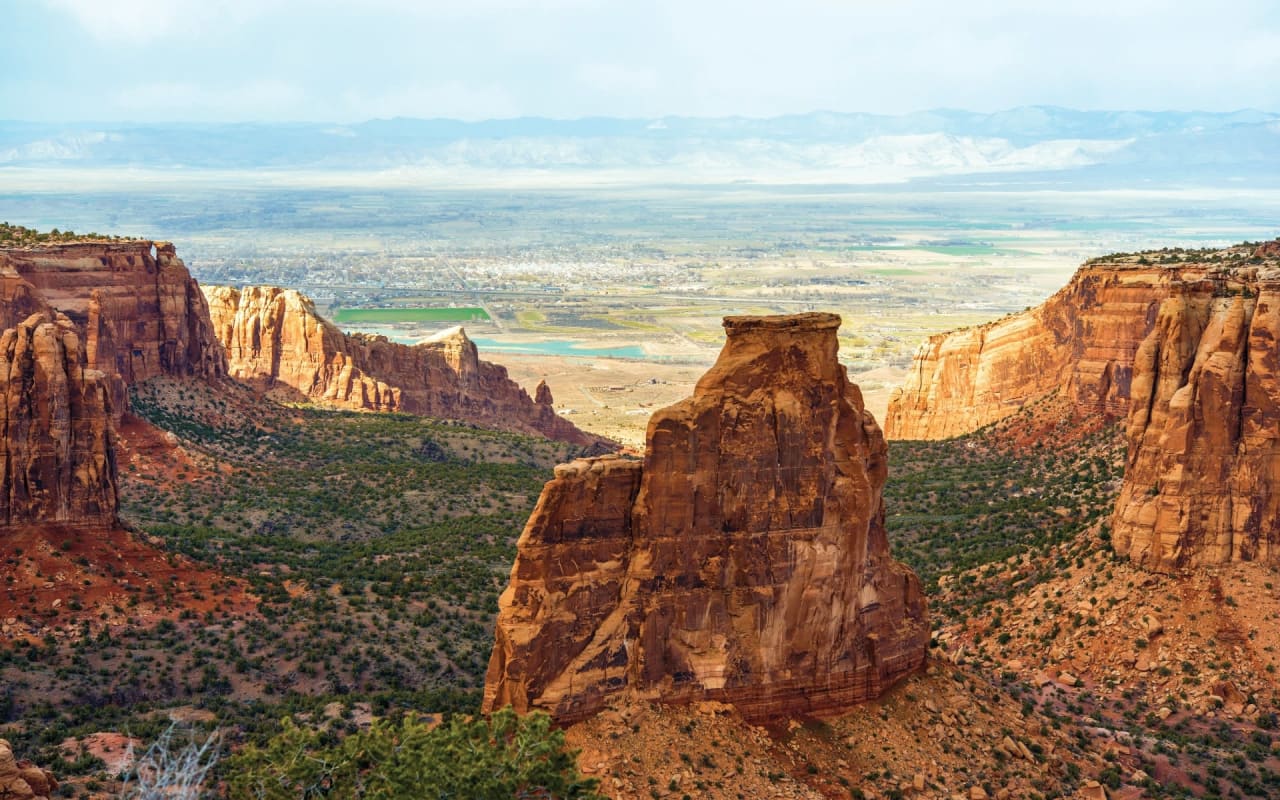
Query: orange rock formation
[80, 322]
[57, 457]
[1081, 341]
[22, 780]
[275, 337]
[137, 308]
[1184, 344]
[1202, 481]
[744, 561]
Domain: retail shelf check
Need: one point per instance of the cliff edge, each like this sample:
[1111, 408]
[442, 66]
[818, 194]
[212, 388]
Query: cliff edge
[1202, 479]
[138, 310]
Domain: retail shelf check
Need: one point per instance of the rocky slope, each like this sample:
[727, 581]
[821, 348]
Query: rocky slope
[744, 561]
[81, 320]
[1171, 677]
[274, 337]
[1082, 341]
[1202, 481]
[57, 459]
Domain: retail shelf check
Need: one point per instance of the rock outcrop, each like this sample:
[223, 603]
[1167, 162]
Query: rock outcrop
[1202, 480]
[57, 456]
[22, 780]
[1183, 345]
[274, 337]
[1082, 342]
[744, 561]
[138, 310]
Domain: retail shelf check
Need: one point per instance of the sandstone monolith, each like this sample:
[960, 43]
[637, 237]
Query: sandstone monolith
[744, 560]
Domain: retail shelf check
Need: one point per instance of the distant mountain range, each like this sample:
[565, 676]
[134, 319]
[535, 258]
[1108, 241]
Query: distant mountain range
[1238, 146]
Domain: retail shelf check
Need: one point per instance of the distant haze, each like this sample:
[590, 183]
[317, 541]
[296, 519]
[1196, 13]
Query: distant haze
[1036, 147]
[345, 62]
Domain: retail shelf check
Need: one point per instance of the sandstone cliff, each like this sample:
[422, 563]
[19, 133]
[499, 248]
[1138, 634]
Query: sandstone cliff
[57, 457]
[1081, 341]
[275, 337]
[744, 561]
[1183, 343]
[81, 321]
[1202, 480]
[139, 312]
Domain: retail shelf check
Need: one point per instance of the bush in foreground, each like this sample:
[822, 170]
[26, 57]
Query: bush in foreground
[506, 756]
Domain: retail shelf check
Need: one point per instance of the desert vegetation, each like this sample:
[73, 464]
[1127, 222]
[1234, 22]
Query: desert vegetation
[19, 236]
[375, 545]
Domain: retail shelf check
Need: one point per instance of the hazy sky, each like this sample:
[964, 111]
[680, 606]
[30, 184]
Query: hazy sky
[323, 60]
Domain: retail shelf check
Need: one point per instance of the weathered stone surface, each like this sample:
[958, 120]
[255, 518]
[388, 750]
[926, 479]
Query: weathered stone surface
[1081, 341]
[275, 337]
[542, 394]
[1202, 481]
[139, 312]
[21, 780]
[745, 561]
[58, 459]
[1187, 350]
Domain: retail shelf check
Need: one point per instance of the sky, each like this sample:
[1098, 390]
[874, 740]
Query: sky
[330, 61]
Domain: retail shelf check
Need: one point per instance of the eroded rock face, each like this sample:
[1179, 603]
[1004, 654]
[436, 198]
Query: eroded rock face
[22, 780]
[1202, 481]
[138, 309]
[745, 560]
[275, 337]
[1081, 341]
[58, 459]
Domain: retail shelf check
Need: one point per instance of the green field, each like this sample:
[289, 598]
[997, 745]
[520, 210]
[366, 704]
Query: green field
[462, 314]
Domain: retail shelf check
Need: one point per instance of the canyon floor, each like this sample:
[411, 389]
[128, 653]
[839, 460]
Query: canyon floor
[615, 397]
[1054, 663]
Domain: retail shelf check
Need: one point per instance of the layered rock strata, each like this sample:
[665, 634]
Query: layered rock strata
[57, 456]
[139, 311]
[275, 337]
[1081, 340]
[745, 560]
[1202, 480]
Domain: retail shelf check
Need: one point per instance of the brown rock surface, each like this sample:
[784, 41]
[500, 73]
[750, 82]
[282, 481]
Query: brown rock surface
[1081, 341]
[137, 308]
[21, 780]
[1202, 480]
[744, 561]
[275, 337]
[58, 459]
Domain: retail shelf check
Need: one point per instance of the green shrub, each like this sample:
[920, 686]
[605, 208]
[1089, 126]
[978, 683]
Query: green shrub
[502, 757]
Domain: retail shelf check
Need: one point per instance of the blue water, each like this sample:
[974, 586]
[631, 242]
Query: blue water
[559, 347]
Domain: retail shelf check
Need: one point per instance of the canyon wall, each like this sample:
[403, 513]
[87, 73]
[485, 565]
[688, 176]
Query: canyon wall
[1180, 343]
[139, 311]
[745, 560]
[1081, 341]
[57, 456]
[1202, 480]
[274, 337]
